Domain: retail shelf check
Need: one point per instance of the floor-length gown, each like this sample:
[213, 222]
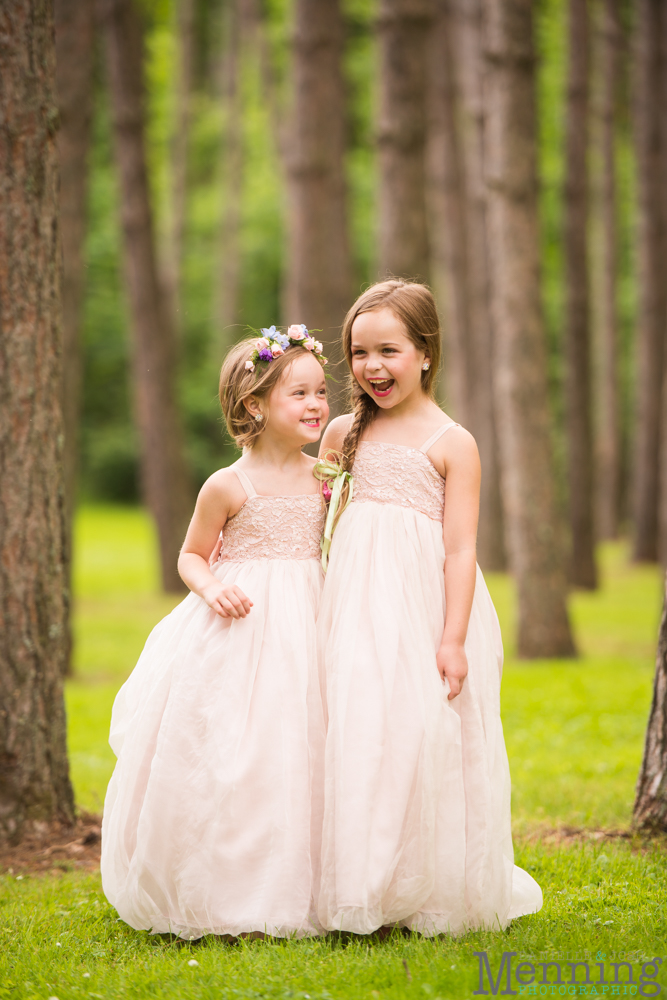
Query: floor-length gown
[417, 790]
[212, 817]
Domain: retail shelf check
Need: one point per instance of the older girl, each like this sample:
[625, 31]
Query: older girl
[417, 790]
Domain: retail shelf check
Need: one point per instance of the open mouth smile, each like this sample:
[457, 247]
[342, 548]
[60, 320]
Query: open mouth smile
[381, 387]
[311, 422]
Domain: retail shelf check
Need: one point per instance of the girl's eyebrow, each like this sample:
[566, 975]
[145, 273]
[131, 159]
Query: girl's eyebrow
[387, 343]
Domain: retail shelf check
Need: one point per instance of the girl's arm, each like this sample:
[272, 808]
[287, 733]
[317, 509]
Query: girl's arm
[219, 498]
[463, 476]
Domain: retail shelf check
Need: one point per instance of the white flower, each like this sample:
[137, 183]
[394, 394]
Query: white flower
[298, 331]
[309, 343]
[193, 962]
[318, 347]
[249, 366]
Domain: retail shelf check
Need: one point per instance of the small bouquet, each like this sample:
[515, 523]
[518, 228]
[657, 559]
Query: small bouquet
[333, 478]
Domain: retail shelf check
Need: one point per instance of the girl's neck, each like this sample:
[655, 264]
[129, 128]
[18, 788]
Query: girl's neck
[275, 454]
[413, 409]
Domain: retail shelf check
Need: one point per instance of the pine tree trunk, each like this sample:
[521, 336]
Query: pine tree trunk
[467, 37]
[459, 245]
[649, 103]
[533, 527]
[650, 812]
[319, 286]
[448, 230]
[166, 481]
[34, 598]
[75, 31]
[179, 159]
[583, 571]
[403, 27]
[609, 431]
[230, 227]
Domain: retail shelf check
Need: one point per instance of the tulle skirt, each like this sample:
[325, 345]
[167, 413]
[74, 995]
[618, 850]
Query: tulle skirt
[212, 818]
[416, 826]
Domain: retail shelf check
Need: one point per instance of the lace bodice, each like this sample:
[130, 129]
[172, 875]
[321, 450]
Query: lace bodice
[405, 477]
[273, 527]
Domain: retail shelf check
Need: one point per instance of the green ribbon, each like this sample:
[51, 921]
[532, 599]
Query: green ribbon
[328, 471]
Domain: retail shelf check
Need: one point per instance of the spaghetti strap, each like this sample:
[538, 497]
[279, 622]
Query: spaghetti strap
[436, 436]
[245, 483]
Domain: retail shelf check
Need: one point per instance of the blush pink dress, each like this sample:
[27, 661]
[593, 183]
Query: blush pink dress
[212, 817]
[417, 788]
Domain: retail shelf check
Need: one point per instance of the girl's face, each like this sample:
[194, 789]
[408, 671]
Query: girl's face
[297, 406]
[385, 362]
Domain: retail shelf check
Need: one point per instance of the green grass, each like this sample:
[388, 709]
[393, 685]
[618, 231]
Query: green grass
[574, 733]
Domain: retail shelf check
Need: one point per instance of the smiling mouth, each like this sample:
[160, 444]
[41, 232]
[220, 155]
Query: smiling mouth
[381, 387]
[313, 422]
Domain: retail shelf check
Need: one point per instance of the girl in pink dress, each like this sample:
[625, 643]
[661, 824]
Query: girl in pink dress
[212, 818]
[417, 789]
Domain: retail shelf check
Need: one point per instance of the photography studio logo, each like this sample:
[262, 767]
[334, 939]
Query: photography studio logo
[567, 978]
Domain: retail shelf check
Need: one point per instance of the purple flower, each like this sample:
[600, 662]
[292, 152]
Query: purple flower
[265, 354]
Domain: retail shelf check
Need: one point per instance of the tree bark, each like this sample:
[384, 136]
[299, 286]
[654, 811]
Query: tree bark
[650, 811]
[403, 27]
[230, 226]
[583, 572]
[319, 282]
[533, 526]
[34, 599]
[75, 30]
[448, 230]
[459, 245]
[609, 430]
[649, 139]
[165, 477]
[179, 159]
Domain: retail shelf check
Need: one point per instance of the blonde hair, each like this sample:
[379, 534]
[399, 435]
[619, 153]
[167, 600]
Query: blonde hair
[238, 384]
[412, 304]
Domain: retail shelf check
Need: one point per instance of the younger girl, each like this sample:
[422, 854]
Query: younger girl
[212, 817]
[417, 801]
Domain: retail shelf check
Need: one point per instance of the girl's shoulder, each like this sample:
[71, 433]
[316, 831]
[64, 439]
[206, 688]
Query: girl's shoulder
[336, 432]
[223, 486]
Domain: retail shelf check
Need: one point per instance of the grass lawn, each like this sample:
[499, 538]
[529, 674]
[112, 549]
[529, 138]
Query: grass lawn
[574, 733]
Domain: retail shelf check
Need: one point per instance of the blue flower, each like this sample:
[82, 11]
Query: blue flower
[281, 339]
[270, 333]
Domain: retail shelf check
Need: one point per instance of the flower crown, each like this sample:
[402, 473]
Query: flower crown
[273, 343]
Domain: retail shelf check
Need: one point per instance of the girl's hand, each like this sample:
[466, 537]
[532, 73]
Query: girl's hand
[226, 599]
[452, 664]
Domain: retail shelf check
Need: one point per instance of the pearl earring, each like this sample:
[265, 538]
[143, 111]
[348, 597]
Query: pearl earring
[426, 366]
[258, 417]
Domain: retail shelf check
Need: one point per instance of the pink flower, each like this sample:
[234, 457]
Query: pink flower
[276, 349]
[309, 343]
[261, 343]
[326, 492]
[318, 347]
[297, 331]
[249, 366]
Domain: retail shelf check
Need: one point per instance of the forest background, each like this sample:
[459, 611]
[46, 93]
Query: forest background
[109, 444]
